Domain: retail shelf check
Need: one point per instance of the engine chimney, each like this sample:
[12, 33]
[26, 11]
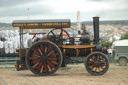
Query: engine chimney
[96, 29]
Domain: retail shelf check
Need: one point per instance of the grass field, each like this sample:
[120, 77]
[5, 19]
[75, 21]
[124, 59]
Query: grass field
[71, 75]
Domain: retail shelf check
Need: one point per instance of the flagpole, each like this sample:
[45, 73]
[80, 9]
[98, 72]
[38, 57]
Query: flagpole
[28, 13]
[28, 18]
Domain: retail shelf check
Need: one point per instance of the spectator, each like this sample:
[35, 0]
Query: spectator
[110, 54]
[104, 50]
[110, 50]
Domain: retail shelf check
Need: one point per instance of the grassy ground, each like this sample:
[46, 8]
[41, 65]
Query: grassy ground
[71, 75]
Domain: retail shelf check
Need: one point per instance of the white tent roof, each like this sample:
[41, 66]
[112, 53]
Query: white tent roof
[121, 43]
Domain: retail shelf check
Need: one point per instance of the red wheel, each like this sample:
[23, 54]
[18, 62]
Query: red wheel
[44, 58]
[96, 63]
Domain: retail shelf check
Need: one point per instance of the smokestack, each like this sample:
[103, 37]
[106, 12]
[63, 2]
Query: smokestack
[96, 29]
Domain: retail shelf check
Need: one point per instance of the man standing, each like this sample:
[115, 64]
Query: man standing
[84, 30]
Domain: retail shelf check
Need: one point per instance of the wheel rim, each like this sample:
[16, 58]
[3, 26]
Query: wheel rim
[44, 58]
[123, 62]
[97, 64]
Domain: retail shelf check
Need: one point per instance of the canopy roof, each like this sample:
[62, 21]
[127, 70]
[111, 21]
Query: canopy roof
[121, 43]
[36, 24]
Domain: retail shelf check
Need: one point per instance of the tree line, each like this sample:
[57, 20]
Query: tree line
[108, 43]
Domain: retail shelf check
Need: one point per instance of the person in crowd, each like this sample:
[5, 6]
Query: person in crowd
[110, 50]
[110, 53]
[104, 50]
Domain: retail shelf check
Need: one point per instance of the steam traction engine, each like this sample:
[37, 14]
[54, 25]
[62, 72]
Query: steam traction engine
[46, 55]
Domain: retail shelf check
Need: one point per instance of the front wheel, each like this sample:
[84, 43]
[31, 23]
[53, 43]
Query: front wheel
[96, 63]
[122, 61]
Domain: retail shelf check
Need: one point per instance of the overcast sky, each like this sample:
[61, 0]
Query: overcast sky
[63, 9]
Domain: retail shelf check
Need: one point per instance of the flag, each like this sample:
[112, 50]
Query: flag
[64, 33]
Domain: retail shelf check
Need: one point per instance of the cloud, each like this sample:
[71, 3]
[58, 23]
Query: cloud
[41, 9]
[96, 0]
[36, 8]
[7, 3]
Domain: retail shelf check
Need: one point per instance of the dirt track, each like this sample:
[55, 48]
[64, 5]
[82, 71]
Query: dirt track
[71, 75]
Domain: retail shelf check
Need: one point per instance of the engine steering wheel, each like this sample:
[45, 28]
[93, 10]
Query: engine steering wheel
[57, 35]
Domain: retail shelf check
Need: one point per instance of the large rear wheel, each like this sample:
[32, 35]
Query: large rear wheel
[44, 58]
[96, 63]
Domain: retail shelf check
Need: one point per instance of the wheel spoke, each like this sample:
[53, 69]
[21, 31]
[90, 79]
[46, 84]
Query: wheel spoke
[49, 49]
[36, 61]
[90, 62]
[33, 58]
[41, 70]
[39, 51]
[52, 58]
[35, 65]
[101, 67]
[49, 68]
[96, 69]
[35, 51]
[92, 65]
[54, 62]
[53, 55]
[37, 56]
[101, 59]
[50, 53]
[45, 67]
[46, 49]
[103, 64]
[42, 47]
[92, 68]
[50, 64]
[38, 68]
[98, 58]
[94, 58]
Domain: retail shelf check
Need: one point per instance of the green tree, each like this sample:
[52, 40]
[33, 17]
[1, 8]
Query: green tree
[106, 44]
[125, 36]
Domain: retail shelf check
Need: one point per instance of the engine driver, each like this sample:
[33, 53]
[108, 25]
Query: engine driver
[84, 30]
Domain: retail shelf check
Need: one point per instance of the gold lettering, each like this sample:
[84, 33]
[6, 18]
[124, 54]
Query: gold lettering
[47, 24]
[64, 23]
[41, 24]
[50, 24]
[33, 24]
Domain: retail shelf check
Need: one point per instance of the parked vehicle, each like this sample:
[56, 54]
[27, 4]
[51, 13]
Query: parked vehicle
[121, 52]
